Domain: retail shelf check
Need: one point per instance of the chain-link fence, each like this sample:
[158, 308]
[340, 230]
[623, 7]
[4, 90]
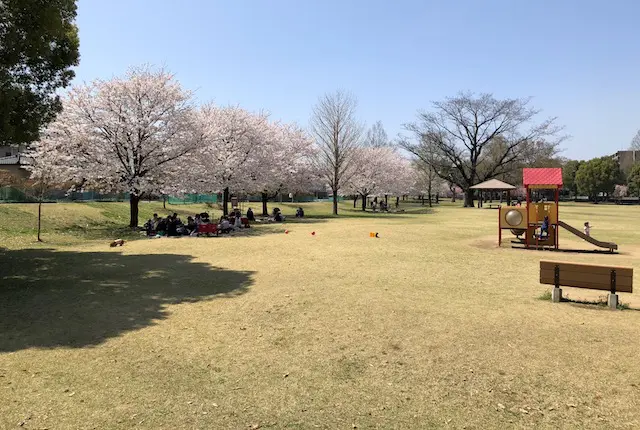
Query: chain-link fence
[10, 194]
[188, 199]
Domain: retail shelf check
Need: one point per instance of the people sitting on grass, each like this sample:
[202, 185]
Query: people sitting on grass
[250, 216]
[225, 225]
[299, 213]
[149, 227]
[191, 226]
[172, 226]
[161, 228]
[277, 215]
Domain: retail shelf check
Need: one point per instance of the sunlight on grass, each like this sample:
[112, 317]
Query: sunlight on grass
[429, 325]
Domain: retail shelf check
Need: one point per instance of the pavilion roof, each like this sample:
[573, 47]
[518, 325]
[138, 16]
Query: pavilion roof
[493, 184]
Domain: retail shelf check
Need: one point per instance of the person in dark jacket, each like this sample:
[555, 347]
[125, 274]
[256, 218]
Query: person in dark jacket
[250, 215]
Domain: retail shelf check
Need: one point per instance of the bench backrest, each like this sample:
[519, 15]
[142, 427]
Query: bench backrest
[590, 276]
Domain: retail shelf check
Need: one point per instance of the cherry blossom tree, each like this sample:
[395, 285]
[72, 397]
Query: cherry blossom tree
[232, 139]
[620, 191]
[401, 178]
[379, 170]
[283, 163]
[370, 171]
[126, 134]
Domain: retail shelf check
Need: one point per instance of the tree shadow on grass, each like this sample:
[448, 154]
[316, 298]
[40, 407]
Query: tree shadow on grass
[359, 213]
[53, 299]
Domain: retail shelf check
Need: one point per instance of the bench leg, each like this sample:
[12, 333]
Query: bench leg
[556, 295]
[613, 301]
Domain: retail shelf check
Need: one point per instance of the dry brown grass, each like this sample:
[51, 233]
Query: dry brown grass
[431, 325]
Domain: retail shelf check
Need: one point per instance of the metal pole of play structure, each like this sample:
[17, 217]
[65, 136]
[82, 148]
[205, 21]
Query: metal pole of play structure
[557, 216]
[526, 243]
[499, 229]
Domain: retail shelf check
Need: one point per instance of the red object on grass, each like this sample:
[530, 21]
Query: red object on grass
[313, 233]
[542, 176]
[208, 229]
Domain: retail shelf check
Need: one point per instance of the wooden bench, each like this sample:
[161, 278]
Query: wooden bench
[595, 277]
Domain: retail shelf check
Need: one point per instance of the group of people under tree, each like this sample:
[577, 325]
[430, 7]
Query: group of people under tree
[382, 205]
[173, 226]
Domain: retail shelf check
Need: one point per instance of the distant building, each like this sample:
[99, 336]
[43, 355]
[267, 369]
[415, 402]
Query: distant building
[10, 161]
[626, 160]
[9, 151]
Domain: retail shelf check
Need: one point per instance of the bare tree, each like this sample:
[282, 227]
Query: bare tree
[376, 136]
[452, 189]
[426, 180]
[635, 142]
[535, 153]
[45, 175]
[425, 164]
[337, 133]
[463, 128]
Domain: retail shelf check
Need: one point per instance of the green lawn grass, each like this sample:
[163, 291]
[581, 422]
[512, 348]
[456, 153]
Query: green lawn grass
[430, 325]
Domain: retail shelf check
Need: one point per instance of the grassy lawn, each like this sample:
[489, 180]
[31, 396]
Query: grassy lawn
[430, 325]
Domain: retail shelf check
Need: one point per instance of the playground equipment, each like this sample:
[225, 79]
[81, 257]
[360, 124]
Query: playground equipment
[526, 222]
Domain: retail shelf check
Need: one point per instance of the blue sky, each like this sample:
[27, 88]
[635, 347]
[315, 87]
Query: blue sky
[579, 60]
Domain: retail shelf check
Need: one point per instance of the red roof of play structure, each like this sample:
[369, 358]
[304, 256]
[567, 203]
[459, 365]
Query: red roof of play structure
[545, 176]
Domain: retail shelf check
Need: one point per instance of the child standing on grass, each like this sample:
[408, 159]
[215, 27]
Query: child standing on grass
[587, 229]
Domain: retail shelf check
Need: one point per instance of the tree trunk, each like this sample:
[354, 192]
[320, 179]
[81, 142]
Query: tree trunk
[468, 198]
[355, 200]
[164, 202]
[437, 198]
[265, 199]
[397, 201]
[386, 200]
[422, 198]
[335, 202]
[39, 218]
[364, 202]
[133, 210]
[225, 201]
[429, 191]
